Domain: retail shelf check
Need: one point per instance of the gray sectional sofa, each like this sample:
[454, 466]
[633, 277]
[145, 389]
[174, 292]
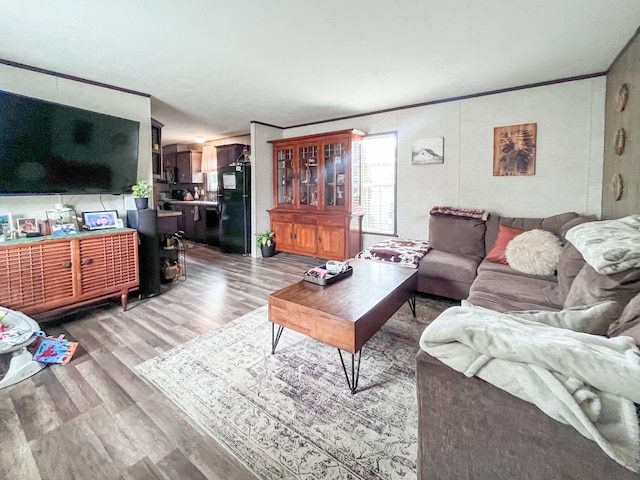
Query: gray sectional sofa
[469, 429]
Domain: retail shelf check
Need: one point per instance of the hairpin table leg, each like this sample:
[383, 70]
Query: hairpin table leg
[352, 381]
[275, 337]
[412, 303]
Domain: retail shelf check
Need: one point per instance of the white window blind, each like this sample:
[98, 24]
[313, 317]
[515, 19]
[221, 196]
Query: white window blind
[379, 183]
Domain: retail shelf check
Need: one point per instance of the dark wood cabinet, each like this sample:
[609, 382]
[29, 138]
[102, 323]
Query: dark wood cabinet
[317, 194]
[231, 153]
[189, 165]
[156, 150]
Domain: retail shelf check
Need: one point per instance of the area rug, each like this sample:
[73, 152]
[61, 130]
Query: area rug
[291, 415]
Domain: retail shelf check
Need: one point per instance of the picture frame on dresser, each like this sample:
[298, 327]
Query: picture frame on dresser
[27, 225]
[62, 222]
[6, 225]
[101, 220]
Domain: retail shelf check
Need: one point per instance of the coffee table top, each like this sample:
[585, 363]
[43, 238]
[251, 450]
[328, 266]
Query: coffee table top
[347, 313]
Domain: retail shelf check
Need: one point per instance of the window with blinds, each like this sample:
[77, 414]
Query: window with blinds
[379, 154]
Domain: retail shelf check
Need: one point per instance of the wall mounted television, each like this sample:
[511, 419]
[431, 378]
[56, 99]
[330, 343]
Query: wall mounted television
[48, 148]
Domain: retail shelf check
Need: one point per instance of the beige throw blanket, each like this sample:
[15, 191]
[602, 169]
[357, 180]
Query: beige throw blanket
[587, 381]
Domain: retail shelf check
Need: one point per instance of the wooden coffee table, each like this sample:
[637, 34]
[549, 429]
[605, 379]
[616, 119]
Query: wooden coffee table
[347, 313]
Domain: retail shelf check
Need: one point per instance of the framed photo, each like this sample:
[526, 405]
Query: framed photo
[63, 228]
[62, 222]
[514, 150]
[6, 225]
[101, 220]
[27, 225]
[427, 151]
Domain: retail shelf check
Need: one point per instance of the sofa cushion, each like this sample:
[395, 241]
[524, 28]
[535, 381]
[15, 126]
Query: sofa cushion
[629, 321]
[498, 251]
[449, 266]
[572, 223]
[535, 252]
[505, 292]
[457, 235]
[590, 287]
[551, 224]
[569, 265]
[499, 267]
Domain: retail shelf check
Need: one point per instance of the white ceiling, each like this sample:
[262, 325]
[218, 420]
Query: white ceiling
[212, 66]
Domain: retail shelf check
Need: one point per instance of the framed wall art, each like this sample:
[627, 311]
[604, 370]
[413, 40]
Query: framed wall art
[427, 151]
[514, 150]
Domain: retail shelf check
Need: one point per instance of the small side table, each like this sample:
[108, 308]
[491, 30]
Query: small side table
[21, 365]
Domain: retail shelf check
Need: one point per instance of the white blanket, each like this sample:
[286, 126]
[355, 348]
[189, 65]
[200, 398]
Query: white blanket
[609, 246]
[587, 381]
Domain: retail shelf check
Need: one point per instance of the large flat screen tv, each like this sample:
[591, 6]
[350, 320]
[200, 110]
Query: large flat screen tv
[48, 148]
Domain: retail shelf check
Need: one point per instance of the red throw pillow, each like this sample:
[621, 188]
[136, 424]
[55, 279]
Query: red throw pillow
[505, 235]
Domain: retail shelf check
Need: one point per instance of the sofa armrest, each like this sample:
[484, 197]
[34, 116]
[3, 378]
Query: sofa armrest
[469, 429]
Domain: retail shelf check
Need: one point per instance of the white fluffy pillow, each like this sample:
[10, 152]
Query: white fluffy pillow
[535, 252]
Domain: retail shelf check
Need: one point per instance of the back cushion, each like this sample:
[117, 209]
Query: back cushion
[457, 235]
[591, 287]
[629, 321]
[551, 224]
[569, 265]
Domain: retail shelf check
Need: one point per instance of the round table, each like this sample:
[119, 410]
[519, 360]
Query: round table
[21, 365]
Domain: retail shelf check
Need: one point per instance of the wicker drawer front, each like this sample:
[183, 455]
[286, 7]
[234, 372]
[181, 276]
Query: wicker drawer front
[35, 274]
[105, 263]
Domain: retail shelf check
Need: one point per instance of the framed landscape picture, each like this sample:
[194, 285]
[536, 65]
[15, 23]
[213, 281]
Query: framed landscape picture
[6, 224]
[514, 150]
[427, 151]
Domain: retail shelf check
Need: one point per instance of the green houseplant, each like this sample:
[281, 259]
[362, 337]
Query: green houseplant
[266, 242]
[141, 192]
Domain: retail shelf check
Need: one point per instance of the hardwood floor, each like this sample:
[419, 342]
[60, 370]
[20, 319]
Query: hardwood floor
[95, 418]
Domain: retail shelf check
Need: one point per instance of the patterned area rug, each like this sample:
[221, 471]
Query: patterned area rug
[291, 415]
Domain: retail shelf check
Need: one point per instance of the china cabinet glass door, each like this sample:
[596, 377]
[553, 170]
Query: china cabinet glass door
[285, 175]
[308, 175]
[335, 160]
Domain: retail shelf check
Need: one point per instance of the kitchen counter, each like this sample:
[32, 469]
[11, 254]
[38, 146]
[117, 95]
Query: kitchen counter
[168, 213]
[206, 203]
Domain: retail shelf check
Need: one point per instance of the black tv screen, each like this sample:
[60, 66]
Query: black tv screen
[50, 148]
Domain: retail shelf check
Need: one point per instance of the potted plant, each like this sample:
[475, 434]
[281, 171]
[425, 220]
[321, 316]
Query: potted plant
[267, 243]
[141, 192]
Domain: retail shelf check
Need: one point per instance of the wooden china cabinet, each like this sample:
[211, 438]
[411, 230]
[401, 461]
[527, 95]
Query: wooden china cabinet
[318, 194]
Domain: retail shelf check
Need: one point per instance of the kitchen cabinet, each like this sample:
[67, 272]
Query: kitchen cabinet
[170, 162]
[317, 194]
[48, 275]
[231, 153]
[189, 165]
[205, 229]
[156, 150]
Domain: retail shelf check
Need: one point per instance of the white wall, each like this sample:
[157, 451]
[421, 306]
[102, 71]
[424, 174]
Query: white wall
[261, 178]
[89, 97]
[570, 122]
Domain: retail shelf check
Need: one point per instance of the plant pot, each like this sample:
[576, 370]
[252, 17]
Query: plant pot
[141, 203]
[268, 251]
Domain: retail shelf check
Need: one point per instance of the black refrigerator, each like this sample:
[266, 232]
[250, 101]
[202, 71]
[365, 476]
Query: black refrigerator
[234, 185]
